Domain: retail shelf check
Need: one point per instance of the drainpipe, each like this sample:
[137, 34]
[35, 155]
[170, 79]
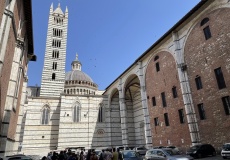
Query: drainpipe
[186, 91]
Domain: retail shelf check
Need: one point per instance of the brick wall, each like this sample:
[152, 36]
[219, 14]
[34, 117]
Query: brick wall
[163, 81]
[202, 57]
[2, 6]
[18, 10]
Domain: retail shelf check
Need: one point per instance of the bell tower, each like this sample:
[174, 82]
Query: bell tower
[53, 75]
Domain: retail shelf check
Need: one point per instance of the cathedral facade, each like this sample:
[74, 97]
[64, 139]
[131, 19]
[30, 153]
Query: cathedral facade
[69, 110]
[176, 93]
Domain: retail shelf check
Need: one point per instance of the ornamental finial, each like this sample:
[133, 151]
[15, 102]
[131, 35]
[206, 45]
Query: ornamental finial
[76, 56]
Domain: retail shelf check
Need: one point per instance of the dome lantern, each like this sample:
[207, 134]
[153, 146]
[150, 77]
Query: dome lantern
[76, 64]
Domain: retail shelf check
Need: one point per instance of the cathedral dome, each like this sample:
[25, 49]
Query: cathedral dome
[78, 82]
[77, 75]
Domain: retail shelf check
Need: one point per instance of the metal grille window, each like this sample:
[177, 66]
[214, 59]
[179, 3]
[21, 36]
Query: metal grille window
[166, 119]
[198, 83]
[45, 116]
[220, 78]
[181, 116]
[174, 91]
[156, 121]
[201, 111]
[226, 103]
[153, 101]
[163, 99]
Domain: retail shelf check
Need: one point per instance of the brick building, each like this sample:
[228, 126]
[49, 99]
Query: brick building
[16, 50]
[182, 81]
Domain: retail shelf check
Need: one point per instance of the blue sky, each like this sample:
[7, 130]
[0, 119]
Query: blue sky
[108, 35]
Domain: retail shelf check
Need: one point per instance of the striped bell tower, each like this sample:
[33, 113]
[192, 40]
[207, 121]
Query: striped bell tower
[53, 75]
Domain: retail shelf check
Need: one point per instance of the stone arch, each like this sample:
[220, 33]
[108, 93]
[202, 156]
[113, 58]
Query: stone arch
[115, 118]
[114, 99]
[134, 111]
[202, 17]
[46, 105]
[202, 57]
[159, 87]
[155, 54]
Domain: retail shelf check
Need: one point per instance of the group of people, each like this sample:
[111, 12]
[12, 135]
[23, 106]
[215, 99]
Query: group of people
[108, 154]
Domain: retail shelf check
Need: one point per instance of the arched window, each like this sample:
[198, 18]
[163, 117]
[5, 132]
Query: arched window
[54, 65]
[76, 113]
[157, 67]
[45, 115]
[206, 28]
[156, 58]
[100, 114]
[204, 21]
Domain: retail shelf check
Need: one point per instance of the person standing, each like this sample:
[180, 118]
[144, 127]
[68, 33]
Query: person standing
[119, 154]
[108, 155]
[102, 155]
[82, 157]
[93, 156]
[115, 154]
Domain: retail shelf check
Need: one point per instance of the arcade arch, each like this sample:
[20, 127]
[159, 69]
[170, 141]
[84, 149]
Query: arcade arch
[134, 112]
[115, 118]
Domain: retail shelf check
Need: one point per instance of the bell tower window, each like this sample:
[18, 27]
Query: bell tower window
[54, 65]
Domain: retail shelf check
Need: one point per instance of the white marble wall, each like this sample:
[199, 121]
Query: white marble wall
[84, 132]
[38, 137]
